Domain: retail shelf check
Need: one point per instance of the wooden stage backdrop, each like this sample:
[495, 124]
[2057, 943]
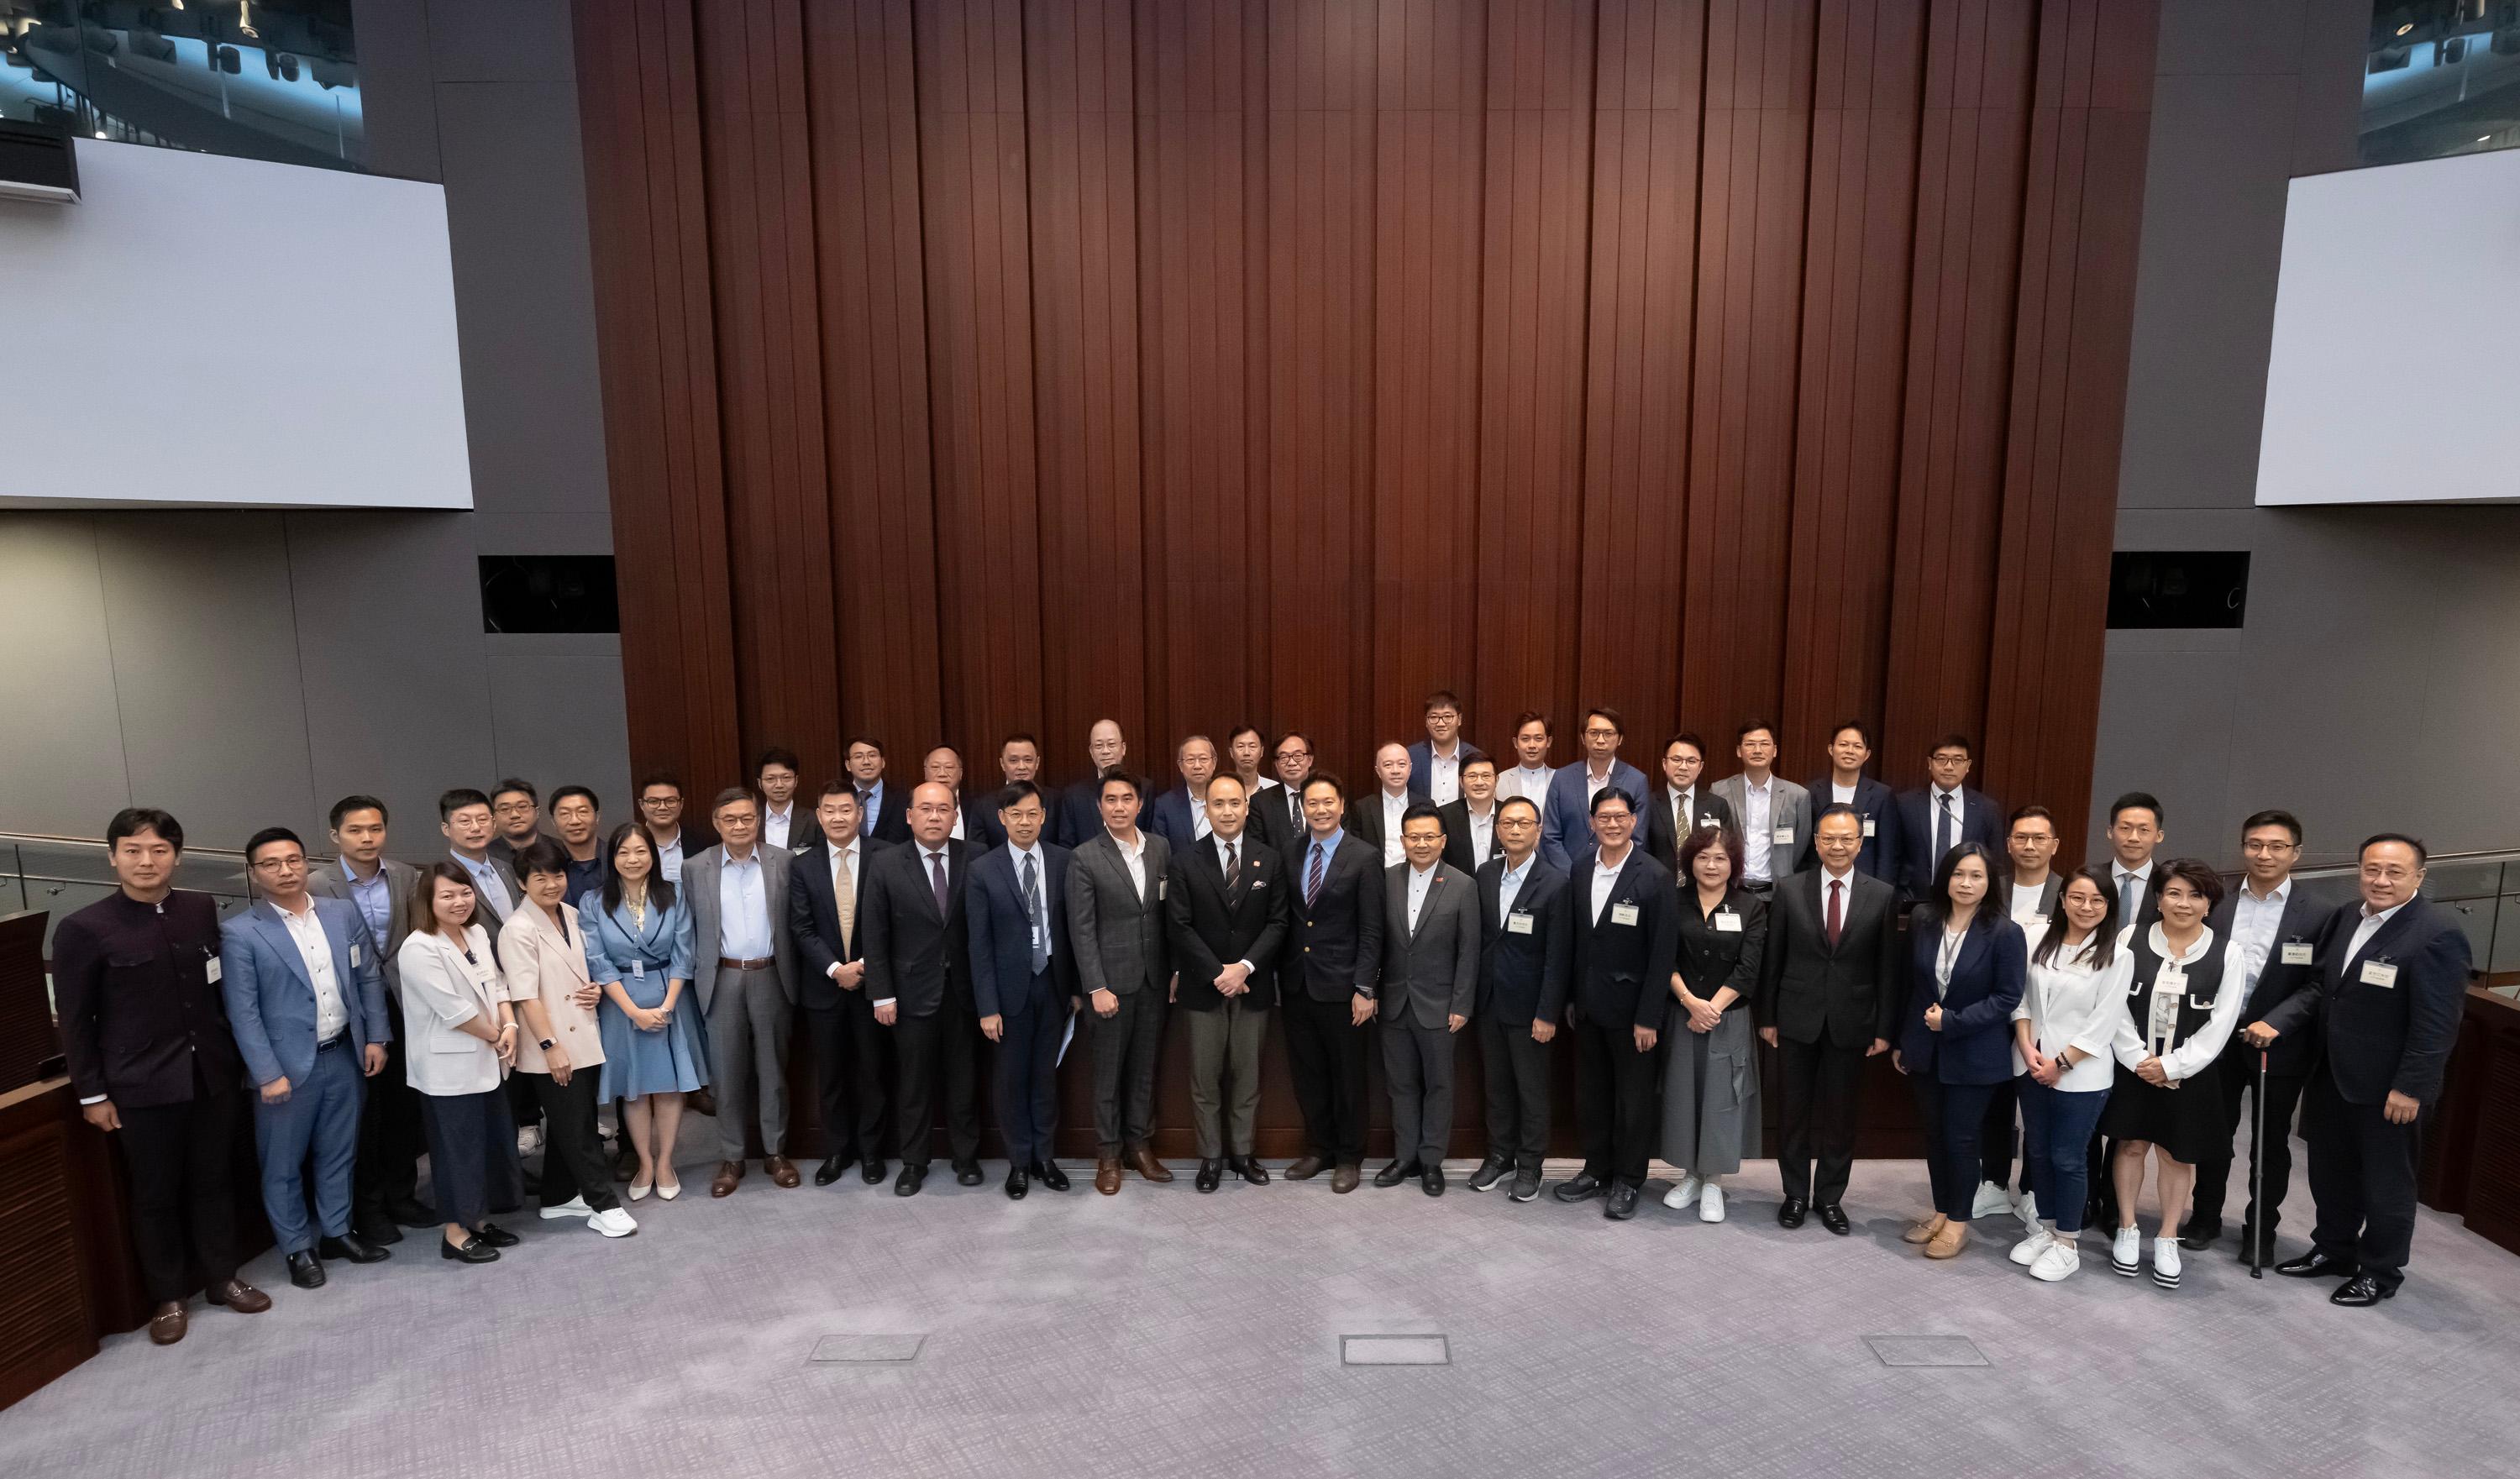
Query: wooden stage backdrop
[981, 365]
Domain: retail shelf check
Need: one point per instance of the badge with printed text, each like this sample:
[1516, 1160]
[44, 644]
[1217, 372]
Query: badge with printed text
[1623, 914]
[1518, 921]
[214, 971]
[639, 970]
[2381, 974]
[1728, 922]
[1868, 826]
[1783, 836]
[354, 957]
[2296, 953]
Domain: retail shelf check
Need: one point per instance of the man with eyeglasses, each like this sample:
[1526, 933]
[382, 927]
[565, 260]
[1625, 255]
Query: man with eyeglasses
[1941, 815]
[1435, 762]
[515, 810]
[1278, 813]
[673, 835]
[1566, 820]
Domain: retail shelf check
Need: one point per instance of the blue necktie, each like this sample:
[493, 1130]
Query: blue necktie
[1032, 914]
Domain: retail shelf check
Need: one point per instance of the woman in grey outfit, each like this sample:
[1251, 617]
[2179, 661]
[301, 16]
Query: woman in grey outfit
[1710, 1090]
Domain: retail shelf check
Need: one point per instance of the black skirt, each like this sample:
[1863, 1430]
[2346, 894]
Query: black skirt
[2186, 1121]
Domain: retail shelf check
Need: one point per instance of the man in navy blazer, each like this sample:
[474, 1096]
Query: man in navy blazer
[1079, 812]
[306, 997]
[1179, 815]
[1935, 817]
[2384, 1009]
[1844, 784]
[884, 803]
[1019, 759]
[1435, 762]
[1023, 980]
[1525, 948]
[1566, 833]
[1618, 975]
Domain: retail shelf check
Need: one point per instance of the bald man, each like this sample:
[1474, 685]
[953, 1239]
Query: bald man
[1375, 819]
[1080, 807]
[919, 982]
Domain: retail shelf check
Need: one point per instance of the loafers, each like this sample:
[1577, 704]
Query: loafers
[305, 1269]
[2317, 1265]
[350, 1247]
[168, 1324]
[1305, 1168]
[240, 1296]
[967, 1174]
[1017, 1183]
[472, 1250]
[1833, 1218]
[910, 1180]
[496, 1237]
[1431, 1181]
[830, 1170]
[872, 1170]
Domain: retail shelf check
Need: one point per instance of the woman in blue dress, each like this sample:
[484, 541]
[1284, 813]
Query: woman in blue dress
[639, 950]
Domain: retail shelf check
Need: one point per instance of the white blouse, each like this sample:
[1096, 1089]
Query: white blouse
[2068, 1003]
[2190, 1058]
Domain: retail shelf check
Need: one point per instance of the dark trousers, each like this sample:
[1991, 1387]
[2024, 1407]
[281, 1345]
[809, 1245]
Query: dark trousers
[573, 1163]
[388, 1170]
[853, 1074]
[1325, 1054]
[2056, 1141]
[1418, 1068]
[2274, 1157]
[1618, 1101]
[1996, 1134]
[472, 1165]
[1820, 1082]
[1028, 1072]
[1517, 1093]
[939, 1049]
[2362, 1181]
[181, 1159]
[1954, 1117]
[1126, 1044]
[319, 1120]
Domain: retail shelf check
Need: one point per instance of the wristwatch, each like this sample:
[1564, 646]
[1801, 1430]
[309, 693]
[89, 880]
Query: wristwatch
[545, 1044]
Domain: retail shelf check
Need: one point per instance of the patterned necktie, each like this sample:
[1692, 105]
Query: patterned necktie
[1233, 874]
[1836, 917]
[1032, 916]
[1313, 881]
[936, 876]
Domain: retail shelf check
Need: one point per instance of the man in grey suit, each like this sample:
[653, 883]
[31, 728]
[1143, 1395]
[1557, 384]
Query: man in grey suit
[1430, 973]
[1773, 812]
[1116, 917]
[744, 968]
[384, 1183]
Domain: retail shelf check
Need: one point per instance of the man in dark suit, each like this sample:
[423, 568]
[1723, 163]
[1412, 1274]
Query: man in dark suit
[2277, 928]
[2136, 836]
[1435, 762]
[1225, 908]
[1469, 822]
[1115, 917]
[1525, 940]
[853, 1067]
[1565, 822]
[919, 976]
[385, 1182]
[1080, 806]
[1277, 813]
[883, 806]
[1829, 994]
[1430, 979]
[1023, 980]
[1178, 814]
[1941, 815]
[675, 834]
[152, 1058]
[1375, 817]
[1333, 954]
[2384, 1009]
[1682, 803]
[515, 810]
[944, 766]
[1850, 750]
[1624, 926]
[1019, 759]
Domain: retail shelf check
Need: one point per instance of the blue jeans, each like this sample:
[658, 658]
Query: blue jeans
[2056, 1133]
[321, 1114]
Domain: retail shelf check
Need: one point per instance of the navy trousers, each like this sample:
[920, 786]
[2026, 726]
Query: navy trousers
[1028, 1072]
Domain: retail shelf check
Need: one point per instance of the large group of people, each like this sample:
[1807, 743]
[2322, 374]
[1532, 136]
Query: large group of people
[540, 974]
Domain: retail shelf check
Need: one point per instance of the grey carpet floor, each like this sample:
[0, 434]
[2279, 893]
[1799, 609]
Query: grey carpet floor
[1164, 1333]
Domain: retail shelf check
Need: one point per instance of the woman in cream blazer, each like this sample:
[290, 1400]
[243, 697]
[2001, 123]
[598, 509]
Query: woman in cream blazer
[542, 948]
[460, 1040]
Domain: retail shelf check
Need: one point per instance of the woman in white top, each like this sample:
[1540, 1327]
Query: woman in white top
[2183, 997]
[542, 948]
[460, 1040]
[2065, 1037]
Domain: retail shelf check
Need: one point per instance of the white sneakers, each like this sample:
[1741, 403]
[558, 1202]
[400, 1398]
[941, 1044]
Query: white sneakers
[575, 1206]
[2165, 1262]
[1684, 1191]
[1991, 1199]
[2026, 1207]
[1710, 1203]
[612, 1221]
[2126, 1252]
[2026, 1252]
[2061, 1259]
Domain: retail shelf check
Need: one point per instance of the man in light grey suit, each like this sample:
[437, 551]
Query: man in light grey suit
[1115, 919]
[1773, 812]
[384, 1183]
[1430, 974]
[744, 968]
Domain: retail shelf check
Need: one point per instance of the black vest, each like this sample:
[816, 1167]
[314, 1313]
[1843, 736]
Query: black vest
[2196, 1008]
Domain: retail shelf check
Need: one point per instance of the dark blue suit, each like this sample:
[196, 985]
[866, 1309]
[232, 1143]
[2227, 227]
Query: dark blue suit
[1422, 765]
[1034, 1006]
[1077, 818]
[1978, 821]
[1956, 1071]
[1522, 973]
[1872, 801]
[1170, 818]
[1566, 830]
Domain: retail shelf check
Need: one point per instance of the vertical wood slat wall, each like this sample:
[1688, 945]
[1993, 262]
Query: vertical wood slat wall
[982, 365]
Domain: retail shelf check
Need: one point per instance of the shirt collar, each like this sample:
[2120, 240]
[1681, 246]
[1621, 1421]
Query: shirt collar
[1034, 852]
[1131, 848]
[2283, 892]
[2383, 915]
[1427, 871]
[2119, 869]
[1941, 794]
[1847, 877]
[1513, 870]
[1762, 787]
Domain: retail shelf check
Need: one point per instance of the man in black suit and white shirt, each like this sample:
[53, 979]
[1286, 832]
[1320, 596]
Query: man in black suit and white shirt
[1430, 978]
[1019, 759]
[2136, 836]
[1469, 822]
[1225, 907]
[1829, 994]
[1624, 911]
[1943, 814]
[1334, 955]
[1850, 750]
[1682, 803]
[1435, 762]
[1277, 813]
[919, 976]
[1525, 940]
[853, 1065]
[1375, 817]
[1080, 806]
[883, 805]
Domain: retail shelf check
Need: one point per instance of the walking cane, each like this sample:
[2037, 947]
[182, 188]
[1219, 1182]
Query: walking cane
[2255, 1234]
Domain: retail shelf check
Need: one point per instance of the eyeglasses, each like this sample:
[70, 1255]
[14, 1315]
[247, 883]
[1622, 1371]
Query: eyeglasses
[2255, 849]
[1598, 732]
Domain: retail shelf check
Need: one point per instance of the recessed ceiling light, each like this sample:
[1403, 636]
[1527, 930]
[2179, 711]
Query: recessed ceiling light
[2402, 30]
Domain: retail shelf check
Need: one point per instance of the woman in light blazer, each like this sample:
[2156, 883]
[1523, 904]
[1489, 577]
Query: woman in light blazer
[1967, 964]
[560, 1052]
[462, 1041]
[639, 949]
[2065, 1040]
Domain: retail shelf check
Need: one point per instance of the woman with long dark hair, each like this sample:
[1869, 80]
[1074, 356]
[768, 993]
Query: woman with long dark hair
[639, 949]
[2065, 1037]
[1966, 964]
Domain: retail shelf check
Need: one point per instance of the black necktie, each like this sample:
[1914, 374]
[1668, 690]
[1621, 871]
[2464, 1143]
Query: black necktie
[1942, 832]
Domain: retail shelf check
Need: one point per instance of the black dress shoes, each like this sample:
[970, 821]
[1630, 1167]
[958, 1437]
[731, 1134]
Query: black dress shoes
[2317, 1265]
[910, 1180]
[1049, 1175]
[1210, 1172]
[351, 1248]
[967, 1174]
[472, 1250]
[1622, 1204]
[379, 1229]
[1583, 1185]
[872, 1170]
[1394, 1173]
[1018, 1183]
[1248, 1167]
[1791, 1214]
[1432, 1181]
[2361, 1292]
[2196, 1236]
[1833, 1218]
[496, 1237]
[305, 1269]
[1491, 1170]
[830, 1170]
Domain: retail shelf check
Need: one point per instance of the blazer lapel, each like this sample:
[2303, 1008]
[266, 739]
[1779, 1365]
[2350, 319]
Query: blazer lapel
[267, 916]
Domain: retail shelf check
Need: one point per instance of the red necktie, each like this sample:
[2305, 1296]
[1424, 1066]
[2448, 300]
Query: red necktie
[1836, 920]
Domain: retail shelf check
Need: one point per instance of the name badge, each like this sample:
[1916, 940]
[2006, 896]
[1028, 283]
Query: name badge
[1518, 921]
[1159, 889]
[2296, 953]
[2379, 973]
[2173, 977]
[214, 970]
[1623, 914]
[354, 957]
[1783, 836]
[1868, 826]
[1709, 822]
[1728, 923]
[639, 971]
[2038, 921]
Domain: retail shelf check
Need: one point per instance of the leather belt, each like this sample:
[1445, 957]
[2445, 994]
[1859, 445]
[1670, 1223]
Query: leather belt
[729, 963]
[335, 1041]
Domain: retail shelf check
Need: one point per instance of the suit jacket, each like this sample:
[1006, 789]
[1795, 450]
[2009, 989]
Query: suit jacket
[1278, 815]
[1334, 942]
[1172, 818]
[2373, 1038]
[493, 909]
[1431, 973]
[698, 891]
[814, 920]
[1522, 973]
[1621, 973]
[271, 999]
[981, 810]
[1002, 934]
[546, 964]
[1789, 807]
[1118, 928]
[1566, 823]
[1421, 766]
[1456, 835]
[1711, 957]
[441, 990]
[1365, 821]
[1077, 819]
[330, 882]
[2148, 907]
[1210, 929]
[131, 984]
[917, 959]
[1661, 841]
[1880, 811]
[502, 852]
[1849, 994]
[1980, 821]
[1975, 1043]
[888, 820]
[2293, 1053]
[2000, 896]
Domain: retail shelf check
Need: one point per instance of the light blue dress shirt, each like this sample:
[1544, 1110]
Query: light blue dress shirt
[744, 909]
[374, 900]
[1510, 884]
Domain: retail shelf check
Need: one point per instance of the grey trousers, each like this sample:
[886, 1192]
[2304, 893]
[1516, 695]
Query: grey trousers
[1125, 1046]
[1418, 1063]
[1225, 1076]
[748, 1032]
[1517, 1085]
[1710, 1095]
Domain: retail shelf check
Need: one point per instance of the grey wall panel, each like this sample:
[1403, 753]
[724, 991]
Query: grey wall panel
[397, 96]
[2179, 708]
[502, 41]
[558, 718]
[61, 736]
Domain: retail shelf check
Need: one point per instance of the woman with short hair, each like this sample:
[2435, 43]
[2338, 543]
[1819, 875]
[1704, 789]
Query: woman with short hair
[462, 1042]
[542, 948]
[1710, 1090]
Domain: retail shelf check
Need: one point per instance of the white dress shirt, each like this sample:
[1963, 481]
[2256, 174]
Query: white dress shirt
[776, 825]
[1042, 937]
[1935, 796]
[1420, 880]
[1198, 827]
[1593, 784]
[743, 907]
[957, 835]
[1482, 834]
[1443, 774]
[2068, 1003]
[1529, 781]
[1605, 875]
[315, 948]
[2368, 925]
[1758, 835]
[1393, 808]
[2255, 923]
[1133, 855]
